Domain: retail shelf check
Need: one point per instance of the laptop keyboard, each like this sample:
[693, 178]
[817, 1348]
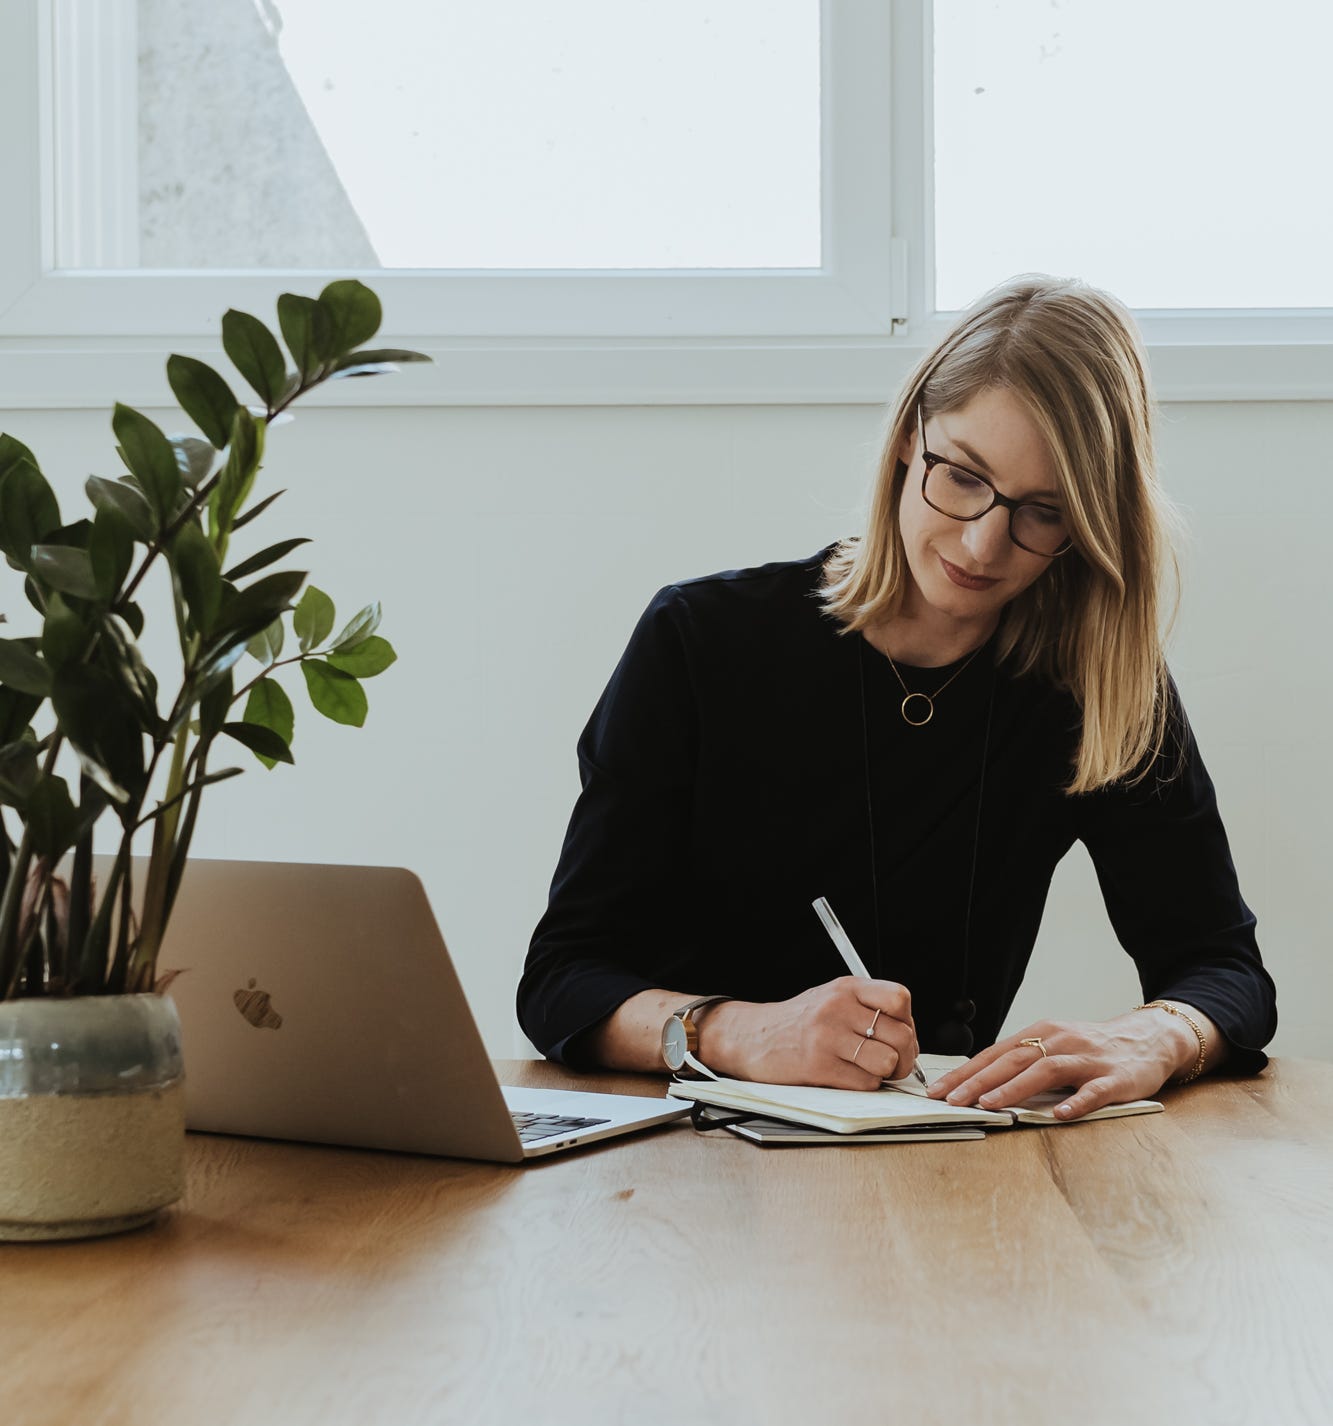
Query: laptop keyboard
[544, 1126]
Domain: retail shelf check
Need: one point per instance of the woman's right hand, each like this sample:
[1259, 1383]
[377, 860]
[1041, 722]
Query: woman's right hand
[817, 1037]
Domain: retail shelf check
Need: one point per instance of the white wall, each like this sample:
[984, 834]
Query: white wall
[513, 549]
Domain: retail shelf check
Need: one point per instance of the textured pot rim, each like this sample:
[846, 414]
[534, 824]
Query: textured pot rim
[88, 1045]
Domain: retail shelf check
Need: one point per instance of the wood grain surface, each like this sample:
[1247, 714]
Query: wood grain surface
[1174, 1268]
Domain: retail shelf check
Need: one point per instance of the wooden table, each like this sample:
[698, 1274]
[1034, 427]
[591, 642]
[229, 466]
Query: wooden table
[1176, 1268]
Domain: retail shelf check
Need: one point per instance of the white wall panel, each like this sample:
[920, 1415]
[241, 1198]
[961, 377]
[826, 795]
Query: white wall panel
[514, 548]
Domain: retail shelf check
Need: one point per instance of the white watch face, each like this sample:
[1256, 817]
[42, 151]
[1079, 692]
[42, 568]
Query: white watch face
[674, 1043]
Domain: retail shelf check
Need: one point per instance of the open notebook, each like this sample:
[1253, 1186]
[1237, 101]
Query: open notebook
[849, 1111]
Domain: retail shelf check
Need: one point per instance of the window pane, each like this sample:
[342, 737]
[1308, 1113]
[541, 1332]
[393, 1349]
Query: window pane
[465, 134]
[1172, 153]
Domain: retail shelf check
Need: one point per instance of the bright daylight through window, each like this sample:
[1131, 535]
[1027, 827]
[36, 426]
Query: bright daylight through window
[1174, 153]
[589, 134]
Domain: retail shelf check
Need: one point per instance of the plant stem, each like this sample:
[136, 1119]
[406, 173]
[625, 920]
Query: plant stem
[10, 962]
[159, 543]
[268, 669]
[186, 835]
[9, 981]
[80, 894]
[150, 931]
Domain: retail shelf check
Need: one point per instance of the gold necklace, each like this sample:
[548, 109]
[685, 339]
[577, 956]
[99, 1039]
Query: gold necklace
[927, 698]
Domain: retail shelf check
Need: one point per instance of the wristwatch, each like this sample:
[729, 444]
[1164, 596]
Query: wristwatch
[680, 1038]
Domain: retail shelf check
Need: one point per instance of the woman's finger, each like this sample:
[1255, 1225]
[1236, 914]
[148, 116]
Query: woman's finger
[1054, 1072]
[964, 1072]
[1002, 1068]
[1015, 1064]
[902, 1040]
[880, 1059]
[886, 996]
[1093, 1095]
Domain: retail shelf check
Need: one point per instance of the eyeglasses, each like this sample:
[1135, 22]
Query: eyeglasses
[964, 494]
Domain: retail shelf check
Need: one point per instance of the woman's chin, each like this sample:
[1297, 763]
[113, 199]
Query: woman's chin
[965, 605]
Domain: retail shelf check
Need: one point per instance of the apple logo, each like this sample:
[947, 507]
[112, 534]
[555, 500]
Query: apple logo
[255, 1005]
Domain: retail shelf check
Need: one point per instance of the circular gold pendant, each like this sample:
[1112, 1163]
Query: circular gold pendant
[918, 722]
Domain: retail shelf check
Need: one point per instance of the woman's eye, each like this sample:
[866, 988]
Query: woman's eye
[1044, 515]
[961, 480]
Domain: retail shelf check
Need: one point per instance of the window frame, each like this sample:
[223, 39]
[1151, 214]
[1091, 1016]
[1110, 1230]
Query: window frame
[846, 332]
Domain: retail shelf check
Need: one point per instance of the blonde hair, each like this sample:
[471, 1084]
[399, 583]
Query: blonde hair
[1092, 622]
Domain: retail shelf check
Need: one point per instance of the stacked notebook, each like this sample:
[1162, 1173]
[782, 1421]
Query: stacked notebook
[886, 1113]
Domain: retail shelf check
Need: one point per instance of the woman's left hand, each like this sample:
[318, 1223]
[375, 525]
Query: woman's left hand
[1102, 1061]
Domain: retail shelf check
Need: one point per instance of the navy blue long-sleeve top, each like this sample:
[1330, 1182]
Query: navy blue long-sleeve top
[747, 757]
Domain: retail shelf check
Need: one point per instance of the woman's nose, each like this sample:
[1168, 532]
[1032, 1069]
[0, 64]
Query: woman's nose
[987, 540]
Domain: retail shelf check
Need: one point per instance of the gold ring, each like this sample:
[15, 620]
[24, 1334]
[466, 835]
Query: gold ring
[1036, 1045]
[860, 1045]
[870, 1033]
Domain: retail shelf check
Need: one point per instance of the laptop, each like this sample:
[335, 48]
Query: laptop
[319, 1003]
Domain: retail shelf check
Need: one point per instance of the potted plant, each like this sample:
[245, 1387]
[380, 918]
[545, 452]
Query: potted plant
[91, 1098]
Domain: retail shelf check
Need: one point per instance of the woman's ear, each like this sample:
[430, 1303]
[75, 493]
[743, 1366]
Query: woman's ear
[907, 446]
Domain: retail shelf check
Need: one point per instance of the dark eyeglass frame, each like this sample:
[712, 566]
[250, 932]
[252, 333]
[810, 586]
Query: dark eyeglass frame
[931, 460]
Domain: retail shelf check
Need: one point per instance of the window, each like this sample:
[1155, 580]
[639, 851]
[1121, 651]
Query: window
[727, 200]
[1162, 151]
[600, 134]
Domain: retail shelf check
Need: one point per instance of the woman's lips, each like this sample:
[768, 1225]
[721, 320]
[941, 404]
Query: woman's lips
[964, 580]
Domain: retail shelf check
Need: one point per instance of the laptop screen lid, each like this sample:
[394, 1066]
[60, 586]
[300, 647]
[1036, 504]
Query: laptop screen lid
[319, 1003]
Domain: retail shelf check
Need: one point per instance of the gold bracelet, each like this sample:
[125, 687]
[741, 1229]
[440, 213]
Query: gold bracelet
[1196, 1069]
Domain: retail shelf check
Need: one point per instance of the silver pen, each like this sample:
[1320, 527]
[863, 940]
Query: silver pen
[914, 1083]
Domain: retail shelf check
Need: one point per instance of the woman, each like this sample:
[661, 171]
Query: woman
[916, 724]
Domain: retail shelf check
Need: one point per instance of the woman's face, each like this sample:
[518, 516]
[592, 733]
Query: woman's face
[969, 570]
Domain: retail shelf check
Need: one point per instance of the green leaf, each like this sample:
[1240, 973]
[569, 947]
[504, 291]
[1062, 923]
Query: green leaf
[257, 509]
[214, 707]
[119, 655]
[133, 617]
[94, 711]
[18, 773]
[111, 550]
[355, 313]
[12, 452]
[264, 558]
[22, 670]
[238, 475]
[359, 630]
[204, 396]
[64, 636]
[52, 818]
[368, 658]
[126, 500]
[266, 644]
[16, 710]
[96, 773]
[74, 535]
[307, 327]
[374, 363]
[255, 352]
[64, 568]
[194, 458]
[28, 511]
[215, 667]
[266, 745]
[201, 580]
[313, 619]
[258, 605]
[269, 707]
[335, 694]
[149, 456]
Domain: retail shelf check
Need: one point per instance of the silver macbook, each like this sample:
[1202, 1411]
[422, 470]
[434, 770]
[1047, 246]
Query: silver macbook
[319, 1003]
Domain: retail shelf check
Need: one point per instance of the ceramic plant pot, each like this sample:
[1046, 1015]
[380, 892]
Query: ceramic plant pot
[92, 1114]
